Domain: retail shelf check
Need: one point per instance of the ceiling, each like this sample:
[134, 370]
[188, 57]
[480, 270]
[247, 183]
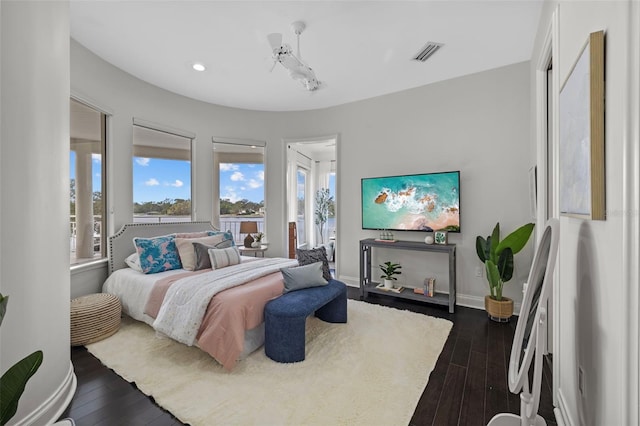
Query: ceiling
[358, 49]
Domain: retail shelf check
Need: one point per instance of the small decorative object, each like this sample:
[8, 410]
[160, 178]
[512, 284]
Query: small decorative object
[428, 239]
[390, 269]
[497, 256]
[429, 287]
[440, 237]
[255, 244]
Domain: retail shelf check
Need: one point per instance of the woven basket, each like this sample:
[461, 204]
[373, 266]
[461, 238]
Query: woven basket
[94, 317]
[499, 311]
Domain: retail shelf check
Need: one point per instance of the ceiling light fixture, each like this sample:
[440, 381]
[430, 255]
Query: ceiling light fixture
[198, 67]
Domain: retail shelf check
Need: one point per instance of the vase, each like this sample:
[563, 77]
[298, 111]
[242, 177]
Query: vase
[255, 244]
[388, 283]
[428, 239]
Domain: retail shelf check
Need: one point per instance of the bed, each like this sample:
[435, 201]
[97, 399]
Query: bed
[220, 310]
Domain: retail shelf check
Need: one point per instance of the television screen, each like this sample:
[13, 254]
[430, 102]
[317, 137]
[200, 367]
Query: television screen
[421, 202]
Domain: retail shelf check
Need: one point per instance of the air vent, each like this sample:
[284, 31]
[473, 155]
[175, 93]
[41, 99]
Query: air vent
[427, 51]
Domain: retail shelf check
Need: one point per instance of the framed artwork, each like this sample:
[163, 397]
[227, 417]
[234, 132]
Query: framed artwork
[582, 174]
[440, 237]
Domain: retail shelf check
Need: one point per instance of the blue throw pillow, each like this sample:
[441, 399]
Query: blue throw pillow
[157, 254]
[300, 277]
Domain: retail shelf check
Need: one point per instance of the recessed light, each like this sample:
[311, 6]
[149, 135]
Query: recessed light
[199, 67]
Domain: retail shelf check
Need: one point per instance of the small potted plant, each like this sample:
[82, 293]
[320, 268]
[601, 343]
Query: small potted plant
[497, 256]
[389, 269]
[257, 240]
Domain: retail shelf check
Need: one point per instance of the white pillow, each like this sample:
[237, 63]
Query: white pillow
[221, 258]
[133, 261]
[187, 253]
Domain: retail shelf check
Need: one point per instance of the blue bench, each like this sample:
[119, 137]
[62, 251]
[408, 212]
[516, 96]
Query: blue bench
[285, 318]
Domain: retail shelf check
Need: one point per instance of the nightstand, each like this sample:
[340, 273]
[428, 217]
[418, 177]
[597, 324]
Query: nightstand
[253, 251]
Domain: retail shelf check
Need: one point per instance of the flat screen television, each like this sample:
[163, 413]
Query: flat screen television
[420, 202]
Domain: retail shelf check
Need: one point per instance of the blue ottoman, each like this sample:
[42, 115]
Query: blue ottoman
[285, 317]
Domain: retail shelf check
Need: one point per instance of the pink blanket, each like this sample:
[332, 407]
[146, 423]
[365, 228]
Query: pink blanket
[229, 313]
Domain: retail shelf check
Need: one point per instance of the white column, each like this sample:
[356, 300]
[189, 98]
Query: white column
[84, 201]
[34, 201]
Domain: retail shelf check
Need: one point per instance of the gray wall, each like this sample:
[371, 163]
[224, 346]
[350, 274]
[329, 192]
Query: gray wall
[478, 124]
[596, 318]
[34, 194]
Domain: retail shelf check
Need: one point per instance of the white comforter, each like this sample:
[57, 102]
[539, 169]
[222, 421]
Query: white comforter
[186, 300]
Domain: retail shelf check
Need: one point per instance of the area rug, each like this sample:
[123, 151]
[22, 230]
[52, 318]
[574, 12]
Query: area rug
[369, 371]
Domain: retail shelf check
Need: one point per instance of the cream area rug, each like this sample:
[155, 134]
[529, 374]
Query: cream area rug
[370, 371]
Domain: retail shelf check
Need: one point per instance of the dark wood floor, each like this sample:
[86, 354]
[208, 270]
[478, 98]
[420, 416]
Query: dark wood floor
[467, 387]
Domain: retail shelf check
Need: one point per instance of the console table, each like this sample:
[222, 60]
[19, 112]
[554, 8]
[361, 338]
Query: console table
[368, 286]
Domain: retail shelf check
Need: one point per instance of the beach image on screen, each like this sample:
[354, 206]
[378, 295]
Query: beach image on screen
[424, 202]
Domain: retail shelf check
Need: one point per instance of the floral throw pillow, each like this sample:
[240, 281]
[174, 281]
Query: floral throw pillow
[307, 257]
[157, 254]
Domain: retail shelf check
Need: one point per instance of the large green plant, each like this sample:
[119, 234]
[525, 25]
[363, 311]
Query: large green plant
[323, 205]
[497, 255]
[14, 380]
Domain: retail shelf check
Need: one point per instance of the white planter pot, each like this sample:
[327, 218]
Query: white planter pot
[388, 283]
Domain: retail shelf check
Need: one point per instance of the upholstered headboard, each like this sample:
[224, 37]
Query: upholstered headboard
[121, 243]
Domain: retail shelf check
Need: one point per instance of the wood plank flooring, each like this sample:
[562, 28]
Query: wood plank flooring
[468, 385]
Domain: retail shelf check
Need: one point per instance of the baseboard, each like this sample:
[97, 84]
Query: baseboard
[50, 410]
[475, 302]
[563, 416]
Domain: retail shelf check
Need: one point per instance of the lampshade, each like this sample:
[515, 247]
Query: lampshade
[248, 227]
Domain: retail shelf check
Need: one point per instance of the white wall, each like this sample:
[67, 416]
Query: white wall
[34, 181]
[594, 286]
[478, 124]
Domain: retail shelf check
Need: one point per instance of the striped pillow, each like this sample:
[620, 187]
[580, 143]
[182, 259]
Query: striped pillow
[221, 258]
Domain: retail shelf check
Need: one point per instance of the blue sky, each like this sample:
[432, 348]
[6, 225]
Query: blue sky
[239, 181]
[157, 179]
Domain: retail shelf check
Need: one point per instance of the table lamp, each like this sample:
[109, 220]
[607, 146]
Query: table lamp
[248, 228]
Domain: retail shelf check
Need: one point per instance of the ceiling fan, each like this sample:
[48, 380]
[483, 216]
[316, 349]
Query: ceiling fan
[298, 69]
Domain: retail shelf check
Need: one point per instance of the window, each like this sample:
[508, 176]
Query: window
[239, 190]
[86, 183]
[302, 204]
[161, 176]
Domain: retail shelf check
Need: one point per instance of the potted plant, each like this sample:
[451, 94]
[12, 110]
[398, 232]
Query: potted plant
[257, 240]
[497, 256]
[389, 269]
[14, 380]
[324, 202]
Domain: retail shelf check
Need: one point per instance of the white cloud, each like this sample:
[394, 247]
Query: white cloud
[96, 157]
[152, 182]
[231, 194]
[97, 175]
[178, 183]
[260, 175]
[237, 176]
[143, 161]
[228, 167]
[253, 184]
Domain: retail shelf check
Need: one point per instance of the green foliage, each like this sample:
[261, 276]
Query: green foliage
[324, 202]
[497, 255]
[14, 380]
[390, 269]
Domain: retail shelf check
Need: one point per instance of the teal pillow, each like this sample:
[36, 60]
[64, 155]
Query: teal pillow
[157, 254]
[300, 277]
